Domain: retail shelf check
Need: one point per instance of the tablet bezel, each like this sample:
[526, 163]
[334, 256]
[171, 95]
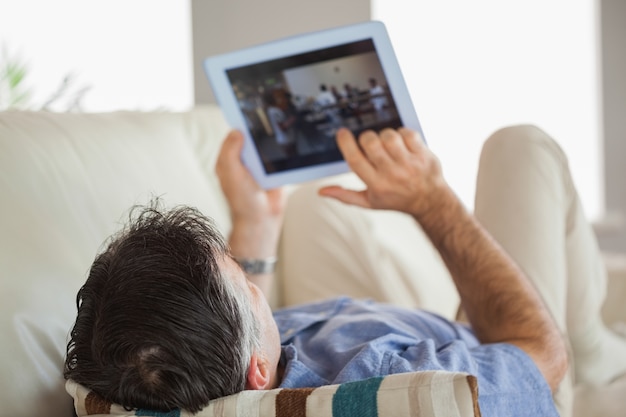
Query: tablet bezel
[216, 68]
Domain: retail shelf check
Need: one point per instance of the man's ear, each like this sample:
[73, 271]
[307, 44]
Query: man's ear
[259, 375]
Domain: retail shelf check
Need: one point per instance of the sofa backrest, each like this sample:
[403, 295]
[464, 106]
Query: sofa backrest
[67, 182]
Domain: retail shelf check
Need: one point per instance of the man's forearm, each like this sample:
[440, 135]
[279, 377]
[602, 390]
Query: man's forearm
[256, 241]
[501, 304]
[256, 213]
[402, 174]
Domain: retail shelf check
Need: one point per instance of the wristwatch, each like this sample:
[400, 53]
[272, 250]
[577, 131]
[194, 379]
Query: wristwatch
[257, 266]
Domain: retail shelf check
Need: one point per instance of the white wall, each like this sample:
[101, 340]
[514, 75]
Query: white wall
[138, 55]
[473, 67]
[355, 70]
[129, 54]
[224, 25]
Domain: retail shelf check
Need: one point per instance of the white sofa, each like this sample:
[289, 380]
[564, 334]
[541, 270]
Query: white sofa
[67, 182]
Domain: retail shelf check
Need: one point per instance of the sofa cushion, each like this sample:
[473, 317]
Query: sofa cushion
[67, 182]
[330, 249]
[423, 394]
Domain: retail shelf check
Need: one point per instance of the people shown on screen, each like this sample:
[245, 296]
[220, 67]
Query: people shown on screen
[336, 93]
[325, 97]
[350, 92]
[327, 103]
[378, 99]
[282, 125]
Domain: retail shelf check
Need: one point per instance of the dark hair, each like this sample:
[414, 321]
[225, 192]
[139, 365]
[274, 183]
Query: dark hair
[270, 99]
[158, 326]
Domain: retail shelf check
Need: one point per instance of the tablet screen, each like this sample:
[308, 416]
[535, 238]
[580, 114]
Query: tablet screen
[294, 105]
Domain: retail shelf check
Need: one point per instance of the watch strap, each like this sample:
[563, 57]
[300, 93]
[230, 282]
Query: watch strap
[257, 266]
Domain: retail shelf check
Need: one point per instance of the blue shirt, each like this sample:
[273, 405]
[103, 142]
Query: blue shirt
[342, 340]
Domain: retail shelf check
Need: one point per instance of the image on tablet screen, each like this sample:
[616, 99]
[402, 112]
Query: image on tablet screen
[294, 105]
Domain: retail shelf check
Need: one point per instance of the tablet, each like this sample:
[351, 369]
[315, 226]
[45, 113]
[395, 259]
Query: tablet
[289, 97]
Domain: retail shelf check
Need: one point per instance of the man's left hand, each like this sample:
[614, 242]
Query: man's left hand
[256, 213]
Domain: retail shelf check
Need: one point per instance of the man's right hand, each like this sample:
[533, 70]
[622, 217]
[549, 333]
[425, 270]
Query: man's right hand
[400, 172]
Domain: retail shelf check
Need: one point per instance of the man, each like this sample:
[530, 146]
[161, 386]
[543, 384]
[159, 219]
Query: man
[325, 98]
[378, 100]
[326, 102]
[281, 125]
[168, 319]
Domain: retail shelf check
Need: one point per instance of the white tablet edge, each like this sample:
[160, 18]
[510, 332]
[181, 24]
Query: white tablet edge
[216, 67]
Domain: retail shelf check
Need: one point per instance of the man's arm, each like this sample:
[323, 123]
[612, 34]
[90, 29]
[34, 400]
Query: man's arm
[501, 304]
[256, 214]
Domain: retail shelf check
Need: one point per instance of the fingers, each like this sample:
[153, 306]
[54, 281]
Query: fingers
[394, 165]
[353, 155]
[375, 151]
[395, 145]
[378, 151]
[412, 139]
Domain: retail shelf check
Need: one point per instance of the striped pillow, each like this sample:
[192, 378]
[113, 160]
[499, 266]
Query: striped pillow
[419, 394]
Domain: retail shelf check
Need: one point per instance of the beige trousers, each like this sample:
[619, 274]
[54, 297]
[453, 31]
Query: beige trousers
[525, 198]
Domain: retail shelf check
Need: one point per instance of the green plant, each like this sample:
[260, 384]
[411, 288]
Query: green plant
[14, 94]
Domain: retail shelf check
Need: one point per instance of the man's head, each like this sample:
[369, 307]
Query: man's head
[159, 324]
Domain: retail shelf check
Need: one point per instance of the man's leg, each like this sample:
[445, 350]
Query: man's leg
[526, 199]
[330, 249]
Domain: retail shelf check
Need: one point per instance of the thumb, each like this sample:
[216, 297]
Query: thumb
[233, 144]
[351, 197]
[230, 151]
